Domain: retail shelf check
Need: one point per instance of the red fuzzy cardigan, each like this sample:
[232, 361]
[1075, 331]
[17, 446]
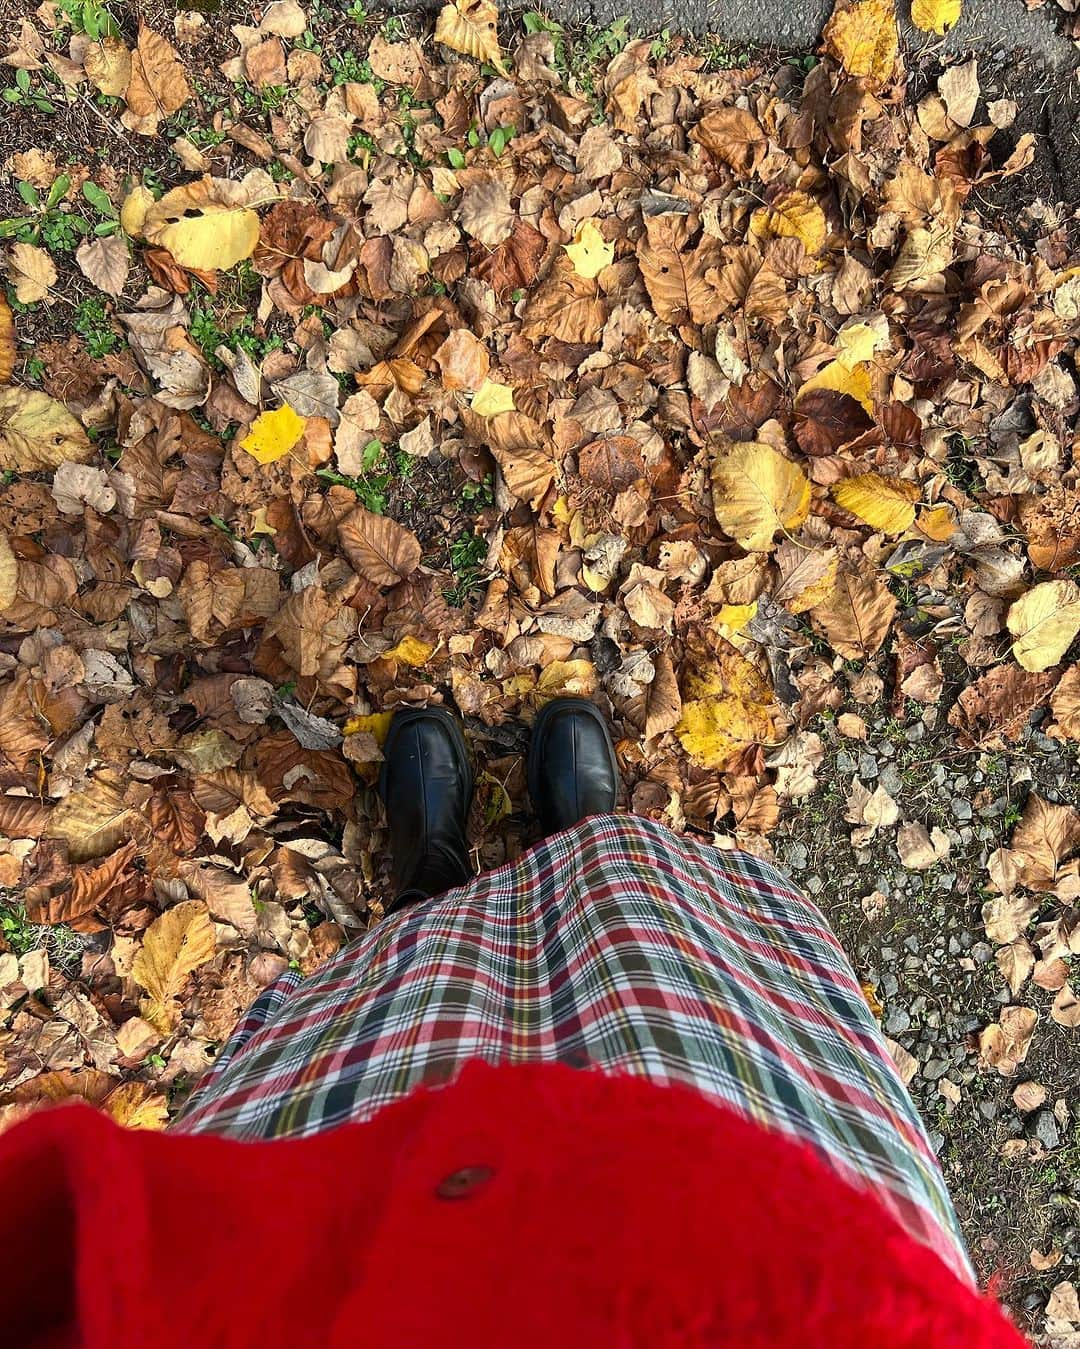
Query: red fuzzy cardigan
[520, 1208]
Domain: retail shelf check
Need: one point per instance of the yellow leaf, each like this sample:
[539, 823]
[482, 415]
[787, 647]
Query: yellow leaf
[1044, 622]
[136, 1105]
[726, 706]
[732, 618]
[134, 210]
[567, 679]
[471, 27]
[589, 252]
[93, 820]
[937, 523]
[854, 380]
[376, 724]
[213, 241]
[856, 344]
[491, 399]
[756, 492]
[273, 434]
[178, 942]
[793, 215]
[864, 40]
[934, 16]
[259, 522]
[884, 503]
[410, 651]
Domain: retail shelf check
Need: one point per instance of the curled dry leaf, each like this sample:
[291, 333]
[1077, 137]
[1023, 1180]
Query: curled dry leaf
[1004, 1045]
[1066, 1009]
[856, 616]
[734, 136]
[471, 27]
[157, 83]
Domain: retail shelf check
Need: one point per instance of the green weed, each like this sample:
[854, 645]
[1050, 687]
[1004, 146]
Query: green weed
[94, 326]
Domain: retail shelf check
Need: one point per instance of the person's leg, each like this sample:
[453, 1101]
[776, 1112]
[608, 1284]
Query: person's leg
[426, 786]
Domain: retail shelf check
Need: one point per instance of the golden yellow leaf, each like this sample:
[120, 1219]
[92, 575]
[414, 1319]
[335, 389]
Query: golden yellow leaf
[376, 724]
[590, 253]
[9, 574]
[410, 651]
[934, 16]
[842, 378]
[1044, 622]
[136, 1105]
[37, 432]
[567, 679]
[213, 241]
[937, 523]
[7, 341]
[491, 399]
[178, 942]
[863, 38]
[273, 434]
[471, 27]
[793, 215]
[885, 503]
[726, 707]
[732, 618]
[757, 491]
[134, 210]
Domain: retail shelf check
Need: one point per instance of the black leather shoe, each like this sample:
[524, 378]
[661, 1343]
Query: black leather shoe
[426, 785]
[571, 765]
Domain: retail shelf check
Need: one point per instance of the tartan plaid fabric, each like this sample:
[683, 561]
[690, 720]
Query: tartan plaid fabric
[616, 944]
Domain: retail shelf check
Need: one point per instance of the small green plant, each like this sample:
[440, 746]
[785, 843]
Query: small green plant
[24, 94]
[372, 484]
[479, 494]
[52, 221]
[393, 28]
[500, 138]
[94, 326]
[348, 68]
[87, 16]
[357, 12]
[35, 369]
[467, 554]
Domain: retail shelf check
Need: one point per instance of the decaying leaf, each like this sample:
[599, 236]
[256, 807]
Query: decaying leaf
[1044, 622]
[862, 36]
[379, 548]
[471, 27]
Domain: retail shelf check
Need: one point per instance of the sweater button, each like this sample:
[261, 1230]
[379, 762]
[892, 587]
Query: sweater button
[460, 1184]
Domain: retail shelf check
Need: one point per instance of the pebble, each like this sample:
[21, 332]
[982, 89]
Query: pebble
[937, 774]
[961, 808]
[890, 779]
[1044, 1127]
[934, 1068]
[845, 763]
[887, 749]
[868, 766]
[913, 734]
[798, 857]
[982, 952]
[897, 1022]
[815, 884]
[890, 984]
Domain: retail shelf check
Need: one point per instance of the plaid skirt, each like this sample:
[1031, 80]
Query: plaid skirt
[618, 946]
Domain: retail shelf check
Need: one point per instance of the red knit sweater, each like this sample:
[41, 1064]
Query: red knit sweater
[525, 1207]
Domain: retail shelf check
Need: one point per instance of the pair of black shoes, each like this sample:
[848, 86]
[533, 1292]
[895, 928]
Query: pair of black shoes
[426, 785]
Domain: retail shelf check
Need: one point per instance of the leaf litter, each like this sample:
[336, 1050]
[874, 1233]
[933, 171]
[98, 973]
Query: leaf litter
[440, 367]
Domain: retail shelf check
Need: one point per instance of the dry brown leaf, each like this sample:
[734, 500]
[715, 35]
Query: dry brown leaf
[855, 618]
[1004, 1045]
[485, 212]
[379, 549]
[734, 136]
[1066, 1009]
[1044, 837]
[157, 85]
[676, 272]
[93, 821]
[31, 271]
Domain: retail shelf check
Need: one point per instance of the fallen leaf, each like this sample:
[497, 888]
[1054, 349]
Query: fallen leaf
[863, 38]
[31, 272]
[920, 849]
[464, 362]
[734, 136]
[935, 16]
[471, 27]
[105, 263]
[201, 227]
[589, 253]
[274, 434]
[726, 707]
[175, 944]
[793, 214]
[1004, 1045]
[856, 616]
[1044, 622]
[379, 548]
[1016, 962]
[157, 84]
[491, 399]
[758, 492]
[485, 211]
[1044, 837]
[1065, 1009]
[884, 503]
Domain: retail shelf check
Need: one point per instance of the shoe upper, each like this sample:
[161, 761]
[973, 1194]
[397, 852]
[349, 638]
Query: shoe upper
[572, 770]
[426, 786]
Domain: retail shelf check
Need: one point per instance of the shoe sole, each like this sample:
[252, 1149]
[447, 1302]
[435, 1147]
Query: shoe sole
[546, 713]
[403, 717]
